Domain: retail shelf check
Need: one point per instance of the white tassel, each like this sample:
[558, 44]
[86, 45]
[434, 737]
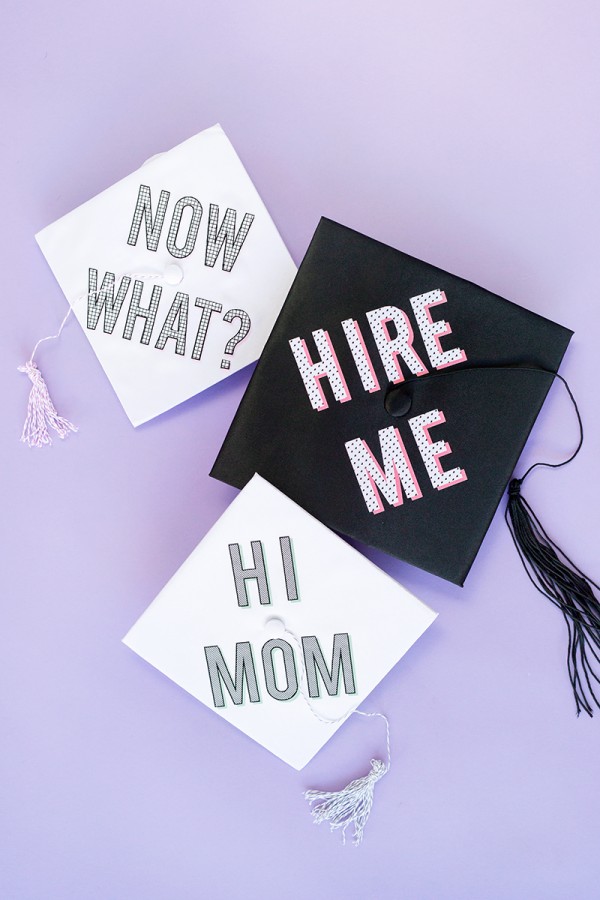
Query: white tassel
[41, 411]
[351, 805]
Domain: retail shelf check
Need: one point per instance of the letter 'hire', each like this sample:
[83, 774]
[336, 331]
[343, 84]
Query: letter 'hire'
[392, 400]
[274, 618]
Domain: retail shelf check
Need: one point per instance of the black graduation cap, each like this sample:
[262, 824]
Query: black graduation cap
[392, 400]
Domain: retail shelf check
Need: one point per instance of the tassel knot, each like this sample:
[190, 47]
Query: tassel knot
[41, 411]
[514, 488]
[351, 805]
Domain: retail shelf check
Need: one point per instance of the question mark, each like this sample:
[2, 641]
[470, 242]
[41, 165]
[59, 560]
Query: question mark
[243, 330]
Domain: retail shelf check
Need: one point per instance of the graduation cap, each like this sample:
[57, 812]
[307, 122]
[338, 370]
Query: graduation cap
[176, 274]
[392, 401]
[345, 414]
[267, 623]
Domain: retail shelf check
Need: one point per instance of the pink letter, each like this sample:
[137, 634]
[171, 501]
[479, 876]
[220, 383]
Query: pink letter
[325, 367]
[431, 452]
[397, 470]
[390, 349]
[360, 355]
[431, 332]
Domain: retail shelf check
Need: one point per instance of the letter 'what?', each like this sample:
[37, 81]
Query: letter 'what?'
[176, 273]
[393, 400]
[266, 560]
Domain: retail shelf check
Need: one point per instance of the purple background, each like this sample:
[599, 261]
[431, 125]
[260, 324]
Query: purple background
[464, 133]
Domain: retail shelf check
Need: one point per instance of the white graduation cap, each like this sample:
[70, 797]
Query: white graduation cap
[278, 625]
[176, 273]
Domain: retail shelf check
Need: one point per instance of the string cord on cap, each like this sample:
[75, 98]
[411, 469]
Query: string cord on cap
[548, 567]
[559, 579]
[351, 805]
[41, 412]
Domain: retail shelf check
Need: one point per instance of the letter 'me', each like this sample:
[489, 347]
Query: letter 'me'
[431, 451]
[391, 478]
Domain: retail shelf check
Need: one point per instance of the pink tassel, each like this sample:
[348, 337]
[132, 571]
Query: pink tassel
[41, 411]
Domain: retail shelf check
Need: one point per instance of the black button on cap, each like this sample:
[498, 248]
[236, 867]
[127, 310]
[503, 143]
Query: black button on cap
[398, 400]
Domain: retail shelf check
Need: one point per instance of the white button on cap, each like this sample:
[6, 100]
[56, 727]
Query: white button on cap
[275, 627]
[173, 274]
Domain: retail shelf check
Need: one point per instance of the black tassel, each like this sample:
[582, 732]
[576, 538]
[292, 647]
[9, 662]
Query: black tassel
[561, 581]
[550, 570]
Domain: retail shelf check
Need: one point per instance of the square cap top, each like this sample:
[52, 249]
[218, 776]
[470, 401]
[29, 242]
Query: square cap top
[276, 623]
[393, 399]
[176, 273]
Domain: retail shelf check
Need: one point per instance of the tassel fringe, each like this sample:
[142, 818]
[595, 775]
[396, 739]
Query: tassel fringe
[350, 806]
[557, 577]
[353, 804]
[41, 411]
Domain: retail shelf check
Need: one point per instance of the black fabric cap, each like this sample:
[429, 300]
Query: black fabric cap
[465, 390]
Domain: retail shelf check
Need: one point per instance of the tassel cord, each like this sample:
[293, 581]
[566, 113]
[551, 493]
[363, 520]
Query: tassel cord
[41, 412]
[569, 589]
[549, 569]
[541, 548]
[564, 462]
[326, 720]
[560, 580]
[143, 276]
[352, 805]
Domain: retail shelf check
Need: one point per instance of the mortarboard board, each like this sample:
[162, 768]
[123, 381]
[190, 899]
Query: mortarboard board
[266, 623]
[176, 274]
[393, 399]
